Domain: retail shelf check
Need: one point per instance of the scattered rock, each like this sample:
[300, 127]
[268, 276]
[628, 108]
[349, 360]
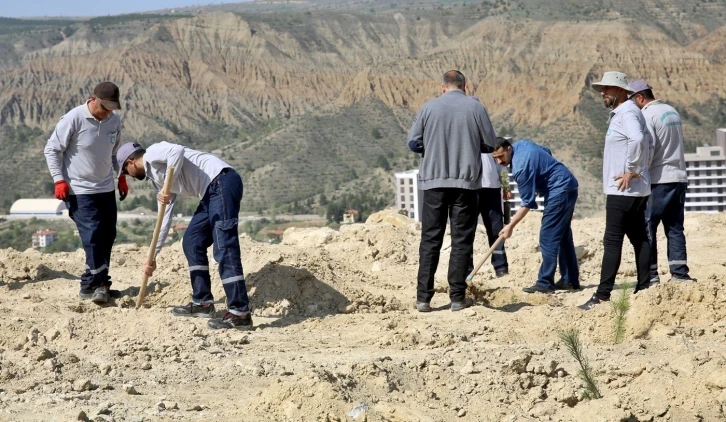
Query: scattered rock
[717, 379]
[81, 385]
[43, 355]
[130, 389]
[468, 369]
[82, 416]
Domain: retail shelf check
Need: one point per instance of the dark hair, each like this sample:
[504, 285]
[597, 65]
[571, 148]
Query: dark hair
[647, 94]
[454, 78]
[502, 143]
[136, 154]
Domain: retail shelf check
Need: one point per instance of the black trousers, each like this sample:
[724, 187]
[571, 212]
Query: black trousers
[624, 216]
[459, 207]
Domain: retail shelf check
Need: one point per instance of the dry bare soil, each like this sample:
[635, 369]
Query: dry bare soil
[336, 336]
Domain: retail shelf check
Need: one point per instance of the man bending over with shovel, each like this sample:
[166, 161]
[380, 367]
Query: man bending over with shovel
[536, 171]
[219, 188]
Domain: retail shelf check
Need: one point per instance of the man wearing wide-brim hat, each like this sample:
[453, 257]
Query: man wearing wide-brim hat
[626, 183]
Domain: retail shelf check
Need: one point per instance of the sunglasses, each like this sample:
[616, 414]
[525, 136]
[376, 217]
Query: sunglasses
[123, 169]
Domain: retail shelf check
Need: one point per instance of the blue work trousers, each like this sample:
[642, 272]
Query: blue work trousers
[215, 223]
[666, 205]
[95, 217]
[555, 241]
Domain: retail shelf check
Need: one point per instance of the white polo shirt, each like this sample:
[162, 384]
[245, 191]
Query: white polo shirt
[193, 172]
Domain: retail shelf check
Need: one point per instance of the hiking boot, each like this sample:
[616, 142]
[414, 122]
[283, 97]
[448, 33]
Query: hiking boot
[501, 272]
[536, 288]
[457, 306]
[100, 295]
[86, 293]
[561, 285]
[230, 320]
[194, 310]
[423, 306]
[594, 301]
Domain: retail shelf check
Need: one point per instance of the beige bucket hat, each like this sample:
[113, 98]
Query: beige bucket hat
[617, 79]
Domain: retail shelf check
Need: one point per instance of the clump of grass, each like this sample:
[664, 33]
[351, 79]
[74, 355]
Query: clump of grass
[571, 339]
[621, 306]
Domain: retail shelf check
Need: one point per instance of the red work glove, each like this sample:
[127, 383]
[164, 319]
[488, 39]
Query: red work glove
[62, 190]
[123, 188]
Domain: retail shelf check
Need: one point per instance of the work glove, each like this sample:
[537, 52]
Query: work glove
[62, 190]
[123, 188]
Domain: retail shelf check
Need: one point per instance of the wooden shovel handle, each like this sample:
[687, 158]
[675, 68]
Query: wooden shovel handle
[152, 249]
[484, 258]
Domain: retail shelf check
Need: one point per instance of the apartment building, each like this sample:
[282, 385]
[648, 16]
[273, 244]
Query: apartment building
[706, 169]
[44, 238]
[409, 198]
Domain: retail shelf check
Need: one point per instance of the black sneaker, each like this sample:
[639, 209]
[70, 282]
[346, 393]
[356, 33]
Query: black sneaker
[423, 306]
[458, 306]
[501, 272]
[594, 301]
[100, 295]
[536, 288]
[86, 293]
[194, 310]
[561, 285]
[230, 320]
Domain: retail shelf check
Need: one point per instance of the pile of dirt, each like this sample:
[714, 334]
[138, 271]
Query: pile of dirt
[337, 339]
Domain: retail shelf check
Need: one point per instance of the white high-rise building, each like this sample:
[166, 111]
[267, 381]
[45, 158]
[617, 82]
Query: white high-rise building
[707, 177]
[408, 196]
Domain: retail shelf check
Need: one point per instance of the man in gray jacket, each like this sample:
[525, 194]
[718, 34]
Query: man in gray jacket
[450, 132]
[668, 180]
[82, 161]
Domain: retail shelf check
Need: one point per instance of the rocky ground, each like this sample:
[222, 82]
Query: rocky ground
[337, 339]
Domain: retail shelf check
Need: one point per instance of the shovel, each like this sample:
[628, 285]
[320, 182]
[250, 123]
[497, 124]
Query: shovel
[484, 258]
[152, 249]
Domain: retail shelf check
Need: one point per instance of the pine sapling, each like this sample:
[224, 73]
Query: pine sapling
[571, 339]
[621, 306]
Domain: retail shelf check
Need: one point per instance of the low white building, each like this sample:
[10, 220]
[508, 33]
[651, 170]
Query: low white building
[43, 238]
[408, 196]
[43, 206]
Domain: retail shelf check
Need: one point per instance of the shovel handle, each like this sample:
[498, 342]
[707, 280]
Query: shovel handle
[484, 258]
[152, 249]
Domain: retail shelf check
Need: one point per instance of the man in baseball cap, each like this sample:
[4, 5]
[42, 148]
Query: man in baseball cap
[81, 158]
[107, 93]
[626, 182]
[128, 151]
[668, 181]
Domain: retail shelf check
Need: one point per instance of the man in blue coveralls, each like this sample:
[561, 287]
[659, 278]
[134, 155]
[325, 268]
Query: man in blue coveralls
[536, 171]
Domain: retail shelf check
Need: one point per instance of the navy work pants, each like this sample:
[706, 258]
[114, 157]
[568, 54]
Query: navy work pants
[95, 217]
[215, 223]
[556, 243]
[666, 205]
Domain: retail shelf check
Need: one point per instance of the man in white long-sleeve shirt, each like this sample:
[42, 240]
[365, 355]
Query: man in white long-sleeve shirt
[81, 158]
[626, 182]
[219, 189]
[668, 180]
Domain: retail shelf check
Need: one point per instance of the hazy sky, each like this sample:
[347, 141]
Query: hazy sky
[31, 8]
